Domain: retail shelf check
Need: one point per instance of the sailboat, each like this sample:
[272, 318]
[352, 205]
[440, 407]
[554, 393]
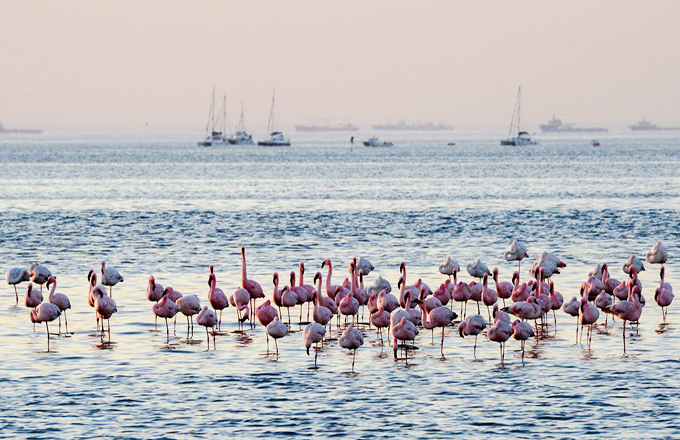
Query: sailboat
[276, 138]
[522, 138]
[241, 136]
[212, 136]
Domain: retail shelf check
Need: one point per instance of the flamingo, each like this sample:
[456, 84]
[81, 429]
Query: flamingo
[45, 312]
[381, 317]
[310, 289]
[437, 317]
[321, 314]
[110, 277]
[59, 299]
[409, 313]
[404, 330]
[15, 276]
[521, 331]
[571, 307]
[520, 292]
[587, 315]
[633, 262]
[349, 306]
[252, 286]
[379, 285]
[529, 309]
[609, 283]
[443, 293]
[472, 326]
[658, 254]
[663, 295]
[602, 302]
[628, 310]
[450, 267]
[39, 274]
[277, 330]
[500, 332]
[476, 293]
[330, 288]
[351, 339]
[489, 296]
[165, 308]
[277, 292]
[461, 293]
[173, 295]
[594, 286]
[415, 291]
[500, 314]
[516, 252]
[288, 299]
[96, 290]
[266, 313]
[556, 301]
[104, 305]
[313, 334]
[207, 318]
[240, 300]
[365, 266]
[189, 305]
[503, 289]
[33, 298]
[302, 293]
[387, 301]
[154, 292]
[216, 297]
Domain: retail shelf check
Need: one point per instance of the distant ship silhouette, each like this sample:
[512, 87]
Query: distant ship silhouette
[19, 130]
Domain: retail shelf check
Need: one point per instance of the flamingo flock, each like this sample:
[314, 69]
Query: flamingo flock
[400, 315]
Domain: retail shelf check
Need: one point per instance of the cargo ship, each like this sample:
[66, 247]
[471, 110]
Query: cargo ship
[645, 125]
[4, 130]
[556, 126]
[403, 126]
[326, 127]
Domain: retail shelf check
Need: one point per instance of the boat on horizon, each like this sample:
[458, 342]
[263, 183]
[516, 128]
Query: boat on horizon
[241, 136]
[556, 126]
[326, 127]
[403, 126]
[4, 130]
[276, 138]
[375, 142]
[212, 136]
[645, 125]
[523, 137]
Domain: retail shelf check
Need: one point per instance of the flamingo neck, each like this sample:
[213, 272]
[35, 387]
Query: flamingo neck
[54, 288]
[302, 275]
[244, 274]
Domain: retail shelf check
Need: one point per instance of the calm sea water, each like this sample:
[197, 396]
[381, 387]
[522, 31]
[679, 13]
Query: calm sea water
[165, 207]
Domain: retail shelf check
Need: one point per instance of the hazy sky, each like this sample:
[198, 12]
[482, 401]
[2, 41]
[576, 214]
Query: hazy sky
[114, 64]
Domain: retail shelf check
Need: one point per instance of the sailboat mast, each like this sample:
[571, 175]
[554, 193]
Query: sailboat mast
[210, 113]
[270, 123]
[212, 110]
[519, 107]
[224, 120]
[241, 123]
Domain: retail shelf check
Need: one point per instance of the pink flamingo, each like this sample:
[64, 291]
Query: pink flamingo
[39, 274]
[500, 332]
[216, 297]
[189, 305]
[33, 298]
[104, 305]
[277, 292]
[310, 289]
[16, 276]
[443, 293]
[472, 326]
[489, 296]
[587, 315]
[266, 313]
[321, 314]
[503, 289]
[96, 290]
[476, 293]
[349, 306]
[387, 301]
[521, 331]
[45, 312]
[602, 302]
[154, 292]
[240, 300]
[302, 293]
[288, 299]
[404, 330]
[500, 314]
[415, 291]
[461, 293]
[330, 288]
[409, 313]
[663, 295]
[277, 330]
[437, 317]
[252, 286]
[59, 299]
[571, 307]
[556, 301]
[207, 318]
[609, 283]
[351, 339]
[593, 287]
[313, 334]
[520, 292]
[110, 277]
[165, 308]
[628, 310]
[381, 317]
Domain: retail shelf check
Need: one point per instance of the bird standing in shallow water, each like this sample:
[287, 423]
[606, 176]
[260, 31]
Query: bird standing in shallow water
[16, 276]
[352, 338]
[45, 312]
[207, 318]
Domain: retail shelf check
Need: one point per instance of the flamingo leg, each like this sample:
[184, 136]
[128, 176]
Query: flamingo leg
[207, 336]
[624, 336]
[475, 348]
[555, 318]
[316, 353]
[277, 348]
[47, 326]
[66, 321]
[353, 358]
[167, 328]
[442, 346]
[59, 324]
[16, 294]
[581, 342]
[576, 331]
[187, 327]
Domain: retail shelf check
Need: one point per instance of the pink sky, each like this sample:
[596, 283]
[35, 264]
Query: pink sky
[114, 64]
